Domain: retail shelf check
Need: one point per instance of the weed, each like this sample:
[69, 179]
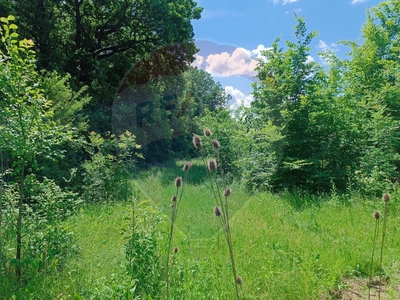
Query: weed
[176, 200]
[386, 199]
[377, 216]
[218, 183]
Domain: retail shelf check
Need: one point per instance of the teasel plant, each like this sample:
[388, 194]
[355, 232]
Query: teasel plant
[377, 216]
[221, 210]
[175, 203]
[385, 199]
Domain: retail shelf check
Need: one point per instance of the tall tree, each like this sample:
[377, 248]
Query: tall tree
[372, 89]
[97, 42]
[27, 131]
[287, 99]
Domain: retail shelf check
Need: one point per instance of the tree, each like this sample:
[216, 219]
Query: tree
[372, 90]
[97, 41]
[26, 131]
[204, 92]
[287, 99]
[160, 107]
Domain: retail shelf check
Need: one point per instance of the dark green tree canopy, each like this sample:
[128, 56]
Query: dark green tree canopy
[98, 41]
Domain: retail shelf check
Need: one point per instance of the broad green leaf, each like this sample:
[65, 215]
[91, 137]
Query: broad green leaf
[4, 20]
[11, 18]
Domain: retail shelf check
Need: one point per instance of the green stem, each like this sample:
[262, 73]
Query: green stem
[372, 258]
[385, 215]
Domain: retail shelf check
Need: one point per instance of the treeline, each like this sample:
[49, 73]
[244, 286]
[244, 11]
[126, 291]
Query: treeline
[322, 127]
[115, 66]
[112, 67]
[335, 126]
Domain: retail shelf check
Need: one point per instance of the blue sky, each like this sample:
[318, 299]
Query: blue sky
[231, 34]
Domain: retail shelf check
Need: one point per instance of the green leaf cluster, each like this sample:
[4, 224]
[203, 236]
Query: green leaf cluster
[337, 124]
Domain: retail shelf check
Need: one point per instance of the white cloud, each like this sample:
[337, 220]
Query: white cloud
[198, 61]
[357, 1]
[257, 53]
[240, 63]
[327, 47]
[284, 2]
[238, 98]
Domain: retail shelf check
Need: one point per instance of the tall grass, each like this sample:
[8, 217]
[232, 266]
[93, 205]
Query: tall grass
[284, 250]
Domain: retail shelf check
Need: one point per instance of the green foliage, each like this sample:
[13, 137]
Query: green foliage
[283, 242]
[66, 105]
[282, 248]
[47, 244]
[372, 93]
[106, 173]
[319, 147]
[232, 137]
[291, 112]
[161, 109]
[203, 93]
[98, 42]
[259, 166]
[142, 253]
[27, 131]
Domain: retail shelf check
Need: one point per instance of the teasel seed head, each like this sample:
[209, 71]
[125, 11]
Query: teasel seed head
[227, 192]
[178, 181]
[172, 205]
[187, 166]
[173, 199]
[212, 164]
[197, 143]
[207, 132]
[215, 144]
[239, 280]
[386, 197]
[377, 214]
[217, 211]
[176, 250]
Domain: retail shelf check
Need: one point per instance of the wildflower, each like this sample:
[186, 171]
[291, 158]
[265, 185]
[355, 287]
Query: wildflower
[173, 199]
[197, 141]
[215, 144]
[207, 132]
[239, 280]
[227, 192]
[386, 197]
[176, 250]
[217, 211]
[186, 166]
[377, 214]
[178, 181]
[212, 165]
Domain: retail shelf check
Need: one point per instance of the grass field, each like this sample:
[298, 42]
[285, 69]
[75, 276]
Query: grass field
[285, 246]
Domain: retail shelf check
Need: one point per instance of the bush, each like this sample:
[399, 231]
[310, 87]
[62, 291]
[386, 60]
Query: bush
[106, 173]
[142, 251]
